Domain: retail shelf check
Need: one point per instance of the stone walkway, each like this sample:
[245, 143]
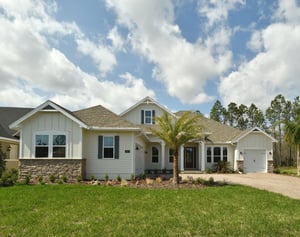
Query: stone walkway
[285, 185]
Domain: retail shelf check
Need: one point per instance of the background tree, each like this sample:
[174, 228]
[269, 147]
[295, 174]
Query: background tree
[256, 117]
[292, 136]
[218, 112]
[232, 114]
[242, 118]
[176, 132]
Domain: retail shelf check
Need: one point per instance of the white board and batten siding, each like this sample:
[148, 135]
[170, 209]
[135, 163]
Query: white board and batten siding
[134, 116]
[123, 166]
[44, 122]
[256, 149]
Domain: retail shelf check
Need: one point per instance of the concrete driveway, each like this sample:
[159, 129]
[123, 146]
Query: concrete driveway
[285, 185]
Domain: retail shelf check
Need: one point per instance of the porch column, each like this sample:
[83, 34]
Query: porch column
[163, 151]
[181, 158]
[203, 156]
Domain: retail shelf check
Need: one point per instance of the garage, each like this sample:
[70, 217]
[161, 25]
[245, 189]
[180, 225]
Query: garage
[255, 161]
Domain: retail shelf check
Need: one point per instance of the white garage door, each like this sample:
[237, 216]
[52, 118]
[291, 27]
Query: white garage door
[255, 161]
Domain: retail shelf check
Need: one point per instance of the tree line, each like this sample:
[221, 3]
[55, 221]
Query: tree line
[273, 120]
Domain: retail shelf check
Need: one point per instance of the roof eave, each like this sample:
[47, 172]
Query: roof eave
[114, 129]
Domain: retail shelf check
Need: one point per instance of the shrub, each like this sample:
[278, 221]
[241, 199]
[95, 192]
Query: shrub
[27, 179]
[9, 177]
[79, 179]
[41, 180]
[106, 177]
[222, 167]
[64, 179]
[276, 171]
[131, 177]
[52, 178]
[210, 182]
[2, 161]
[119, 178]
[124, 183]
[92, 178]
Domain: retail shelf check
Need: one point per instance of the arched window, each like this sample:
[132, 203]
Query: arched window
[154, 155]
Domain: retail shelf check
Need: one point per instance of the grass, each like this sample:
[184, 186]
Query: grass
[83, 210]
[288, 170]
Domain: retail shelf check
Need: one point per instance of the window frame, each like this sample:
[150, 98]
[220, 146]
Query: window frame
[108, 147]
[154, 156]
[211, 157]
[147, 116]
[50, 145]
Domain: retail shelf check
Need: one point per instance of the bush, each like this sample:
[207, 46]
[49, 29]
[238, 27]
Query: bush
[2, 161]
[64, 179]
[276, 171]
[52, 178]
[27, 179]
[222, 167]
[119, 178]
[131, 177]
[106, 177]
[79, 179]
[9, 177]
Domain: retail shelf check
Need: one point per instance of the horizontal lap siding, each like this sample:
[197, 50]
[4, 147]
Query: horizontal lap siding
[113, 167]
[51, 121]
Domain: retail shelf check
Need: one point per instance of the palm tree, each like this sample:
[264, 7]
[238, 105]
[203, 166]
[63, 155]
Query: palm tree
[292, 136]
[176, 132]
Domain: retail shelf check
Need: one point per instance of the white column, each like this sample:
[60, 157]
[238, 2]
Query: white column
[181, 158]
[236, 158]
[203, 156]
[163, 151]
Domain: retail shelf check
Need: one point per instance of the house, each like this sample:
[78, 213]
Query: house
[9, 141]
[97, 142]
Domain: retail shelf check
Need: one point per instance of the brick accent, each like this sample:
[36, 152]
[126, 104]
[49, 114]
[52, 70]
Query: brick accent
[71, 168]
[270, 166]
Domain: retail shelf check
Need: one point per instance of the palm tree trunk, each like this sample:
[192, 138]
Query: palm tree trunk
[175, 167]
[298, 159]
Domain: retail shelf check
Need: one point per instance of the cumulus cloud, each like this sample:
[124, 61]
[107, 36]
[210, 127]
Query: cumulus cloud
[275, 68]
[32, 71]
[184, 68]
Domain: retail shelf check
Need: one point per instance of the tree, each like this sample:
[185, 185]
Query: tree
[232, 114]
[241, 117]
[255, 117]
[218, 112]
[2, 161]
[176, 132]
[292, 136]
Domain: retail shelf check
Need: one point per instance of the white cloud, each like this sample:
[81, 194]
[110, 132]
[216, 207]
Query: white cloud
[32, 71]
[116, 39]
[275, 68]
[182, 67]
[102, 56]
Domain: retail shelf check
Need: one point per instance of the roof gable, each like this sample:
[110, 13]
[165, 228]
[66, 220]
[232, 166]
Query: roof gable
[147, 100]
[48, 106]
[251, 130]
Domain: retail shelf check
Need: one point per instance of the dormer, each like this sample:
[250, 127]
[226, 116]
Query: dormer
[144, 112]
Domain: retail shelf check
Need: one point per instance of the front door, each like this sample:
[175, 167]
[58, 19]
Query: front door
[189, 158]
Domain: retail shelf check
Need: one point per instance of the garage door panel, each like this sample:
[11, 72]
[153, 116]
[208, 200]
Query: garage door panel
[255, 161]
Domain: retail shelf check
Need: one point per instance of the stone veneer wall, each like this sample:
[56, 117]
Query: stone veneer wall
[71, 168]
[240, 165]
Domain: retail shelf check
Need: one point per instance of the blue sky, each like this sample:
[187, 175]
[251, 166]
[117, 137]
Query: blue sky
[185, 54]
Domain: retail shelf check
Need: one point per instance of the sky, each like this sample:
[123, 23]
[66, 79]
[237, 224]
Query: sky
[185, 54]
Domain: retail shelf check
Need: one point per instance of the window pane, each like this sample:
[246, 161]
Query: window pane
[108, 141]
[154, 151]
[217, 154]
[59, 140]
[41, 140]
[208, 154]
[148, 116]
[108, 152]
[148, 113]
[41, 151]
[171, 153]
[224, 153]
[59, 152]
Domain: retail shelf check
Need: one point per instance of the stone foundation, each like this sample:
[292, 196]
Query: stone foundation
[240, 165]
[270, 166]
[70, 168]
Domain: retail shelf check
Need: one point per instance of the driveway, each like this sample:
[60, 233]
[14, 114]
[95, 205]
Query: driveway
[285, 185]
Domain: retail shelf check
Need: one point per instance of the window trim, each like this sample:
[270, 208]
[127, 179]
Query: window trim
[212, 156]
[113, 146]
[147, 117]
[156, 156]
[50, 146]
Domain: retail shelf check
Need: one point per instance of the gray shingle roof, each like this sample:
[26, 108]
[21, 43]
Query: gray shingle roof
[9, 115]
[215, 131]
[98, 116]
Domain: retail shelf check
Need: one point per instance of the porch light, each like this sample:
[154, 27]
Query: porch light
[270, 153]
[241, 153]
[8, 148]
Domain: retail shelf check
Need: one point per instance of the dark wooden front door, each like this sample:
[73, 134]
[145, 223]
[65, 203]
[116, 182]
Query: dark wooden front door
[190, 158]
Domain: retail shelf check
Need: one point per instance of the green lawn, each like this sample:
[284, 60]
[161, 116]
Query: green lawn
[82, 210]
[288, 170]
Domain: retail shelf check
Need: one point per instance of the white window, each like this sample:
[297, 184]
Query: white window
[148, 117]
[216, 154]
[108, 147]
[50, 145]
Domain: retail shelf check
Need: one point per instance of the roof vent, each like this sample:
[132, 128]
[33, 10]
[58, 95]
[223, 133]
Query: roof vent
[48, 107]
